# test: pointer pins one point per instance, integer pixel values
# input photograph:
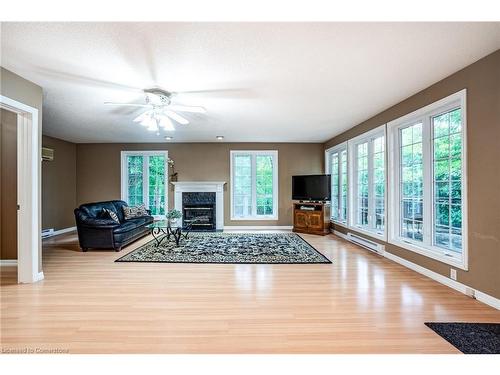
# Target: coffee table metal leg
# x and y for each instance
(157, 235)
(177, 235)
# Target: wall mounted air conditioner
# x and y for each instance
(366, 243)
(47, 154)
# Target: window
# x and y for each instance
(368, 182)
(411, 172)
(427, 182)
(336, 166)
(144, 179)
(254, 185)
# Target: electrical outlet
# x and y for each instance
(453, 274)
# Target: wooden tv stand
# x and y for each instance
(311, 218)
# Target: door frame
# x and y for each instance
(28, 199)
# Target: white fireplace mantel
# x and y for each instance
(216, 187)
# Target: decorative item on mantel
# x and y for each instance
(173, 175)
(173, 215)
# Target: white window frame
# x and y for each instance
(424, 115)
(338, 149)
(145, 187)
(254, 153)
(352, 168)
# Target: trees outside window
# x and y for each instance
(427, 183)
(367, 171)
(254, 185)
(144, 180)
(337, 167)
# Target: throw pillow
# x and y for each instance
(131, 212)
(110, 214)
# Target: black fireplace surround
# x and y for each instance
(199, 206)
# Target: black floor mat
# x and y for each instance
(470, 338)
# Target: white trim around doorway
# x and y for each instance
(28, 199)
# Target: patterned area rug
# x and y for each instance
(470, 338)
(230, 248)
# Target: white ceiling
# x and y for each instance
(274, 82)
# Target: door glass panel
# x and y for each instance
(135, 180)
(157, 184)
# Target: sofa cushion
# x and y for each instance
(144, 220)
(126, 226)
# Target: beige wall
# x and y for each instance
(98, 169)
(26, 92)
(8, 184)
(59, 185)
(482, 81)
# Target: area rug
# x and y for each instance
(470, 338)
(220, 247)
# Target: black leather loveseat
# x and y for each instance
(98, 232)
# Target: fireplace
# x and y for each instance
(199, 208)
(197, 187)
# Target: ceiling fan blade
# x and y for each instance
(87, 81)
(229, 93)
(211, 91)
(143, 115)
(187, 108)
(174, 116)
(128, 104)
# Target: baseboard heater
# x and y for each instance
(367, 244)
(47, 232)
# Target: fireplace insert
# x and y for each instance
(199, 208)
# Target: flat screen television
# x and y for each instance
(311, 187)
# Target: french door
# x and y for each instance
(145, 180)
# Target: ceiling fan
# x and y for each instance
(160, 110)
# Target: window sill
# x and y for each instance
(381, 237)
(252, 218)
(339, 223)
(455, 261)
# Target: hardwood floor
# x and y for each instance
(361, 303)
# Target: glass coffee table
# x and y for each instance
(163, 229)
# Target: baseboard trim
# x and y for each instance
(8, 262)
(462, 288)
(487, 299)
(61, 231)
(258, 227)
